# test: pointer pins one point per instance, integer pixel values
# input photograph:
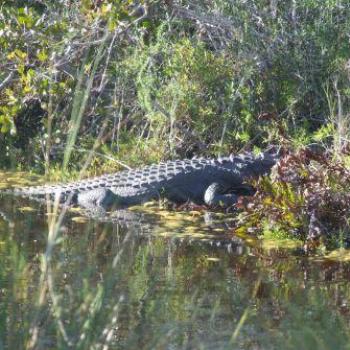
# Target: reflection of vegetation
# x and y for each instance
(110, 288)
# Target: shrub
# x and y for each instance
(309, 198)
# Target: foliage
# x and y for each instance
(126, 79)
(309, 198)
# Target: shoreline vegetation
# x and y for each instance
(89, 87)
(94, 86)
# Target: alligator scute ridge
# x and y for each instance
(211, 182)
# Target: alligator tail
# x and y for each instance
(42, 192)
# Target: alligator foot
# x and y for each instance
(214, 197)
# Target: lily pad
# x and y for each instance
(75, 210)
(26, 209)
(80, 219)
(213, 259)
(341, 255)
(280, 243)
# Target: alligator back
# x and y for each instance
(192, 175)
(154, 174)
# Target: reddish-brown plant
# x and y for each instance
(308, 196)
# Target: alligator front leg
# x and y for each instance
(214, 196)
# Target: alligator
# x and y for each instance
(202, 181)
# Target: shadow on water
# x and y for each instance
(161, 281)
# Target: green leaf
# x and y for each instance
(42, 55)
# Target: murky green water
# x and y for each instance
(164, 281)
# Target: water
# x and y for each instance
(165, 280)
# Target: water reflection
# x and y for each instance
(162, 281)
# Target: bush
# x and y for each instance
(309, 199)
(171, 79)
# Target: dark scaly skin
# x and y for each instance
(211, 182)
